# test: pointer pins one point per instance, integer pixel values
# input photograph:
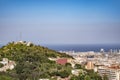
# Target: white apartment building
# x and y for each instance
(113, 73)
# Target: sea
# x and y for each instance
(83, 47)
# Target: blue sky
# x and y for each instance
(60, 21)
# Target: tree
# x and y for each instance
(4, 77)
(64, 74)
(74, 78)
(105, 77)
(97, 77)
(87, 77)
(1, 65)
(78, 66)
(68, 64)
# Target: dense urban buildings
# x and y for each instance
(104, 63)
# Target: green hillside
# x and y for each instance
(32, 62)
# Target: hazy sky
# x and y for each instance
(60, 21)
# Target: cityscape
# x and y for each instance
(105, 63)
(101, 65)
(59, 39)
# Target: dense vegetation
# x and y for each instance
(32, 62)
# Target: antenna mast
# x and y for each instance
(20, 36)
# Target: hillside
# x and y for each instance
(32, 62)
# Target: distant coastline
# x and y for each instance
(85, 48)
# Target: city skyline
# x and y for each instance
(60, 21)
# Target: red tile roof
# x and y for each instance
(114, 67)
(62, 61)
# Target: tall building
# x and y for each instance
(119, 51)
(111, 51)
(89, 65)
(102, 50)
(113, 73)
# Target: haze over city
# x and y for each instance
(60, 21)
